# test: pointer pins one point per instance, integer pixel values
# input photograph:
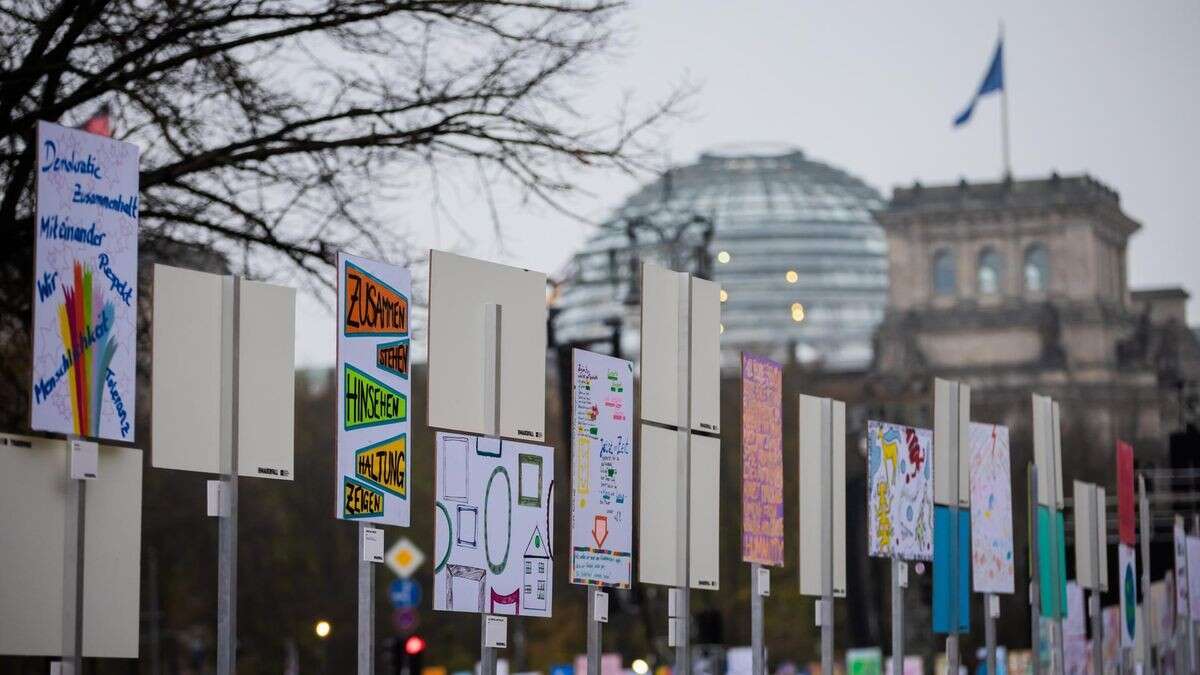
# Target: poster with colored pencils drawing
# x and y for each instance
(900, 491)
(85, 285)
(991, 510)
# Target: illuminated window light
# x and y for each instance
(723, 257)
(797, 312)
(722, 328)
(791, 276)
(724, 295)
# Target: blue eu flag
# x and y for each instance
(992, 81)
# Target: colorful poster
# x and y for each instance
(602, 471)
(1193, 566)
(1111, 643)
(494, 525)
(942, 597)
(1125, 504)
(868, 661)
(374, 459)
(85, 296)
(1162, 597)
(762, 460)
(1181, 574)
(900, 491)
(1075, 622)
(1052, 562)
(991, 510)
(1127, 590)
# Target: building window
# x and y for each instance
(944, 277)
(1037, 268)
(991, 267)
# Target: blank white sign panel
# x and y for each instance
(186, 374)
(185, 426)
(838, 482)
(658, 492)
(705, 334)
(33, 520)
(1102, 537)
(266, 381)
(942, 416)
(1047, 451)
(813, 484)
(459, 290)
(1085, 534)
(660, 344)
(704, 518)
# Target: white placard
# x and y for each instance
(813, 483)
(85, 295)
(705, 350)
(903, 575)
(190, 348)
(495, 632)
(459, 290)
(494, 526)
(674, 600)
(32, 520)
(218, 506)
(764, 581)
(944, 492)
(600, 606)
(84, 459)
(601, 470)
(994, 605)
(1047, 451)
(672, 632)
(1085, 534)
(374, 397)
(372, 545)
(658, 492)
(704, 520)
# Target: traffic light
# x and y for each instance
(407, 655)
(414, 645)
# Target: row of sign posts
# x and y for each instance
(222, 397)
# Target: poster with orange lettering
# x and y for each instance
(374, 462)
(762, 461)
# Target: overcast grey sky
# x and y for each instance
(1104, 87)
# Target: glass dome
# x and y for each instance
(801, 263)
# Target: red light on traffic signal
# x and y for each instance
(414, 645)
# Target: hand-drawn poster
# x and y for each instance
(1181, 571)
(374, 458)
(85, 285)
(900, 491)
(762, 460)
(1193, 567)
(991, 510)
(494, 526)
(1125, 507)
(864, 661)
(1162, 597)
(1127, 590)
(1111, 642)
(602, 471)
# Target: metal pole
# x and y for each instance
(492, 338)
(897, 618)
(366, 607)
(1035, 600)
(952, 656)
(683, 659)
(989, 630)
(758, 655)
(1056, 547)
(1097, 617)
(1189, 625)
(593, 634)
(227, 531)
(826, 608)
(1004, 126)
(1147, 597)
(72, 599)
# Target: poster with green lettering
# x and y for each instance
(374, 394)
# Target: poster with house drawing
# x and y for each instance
(900, 491)
(494, 526)
(602, 471)
(991, 510)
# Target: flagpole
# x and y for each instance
(1004, 140)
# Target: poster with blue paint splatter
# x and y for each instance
(991, 510)
(900, 491)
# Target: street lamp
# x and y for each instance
(322, 629)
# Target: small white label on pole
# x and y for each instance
(672, 632)
(994, 606)
(84, 459)
(902, 574)
(372, 545)
(673, 602)
(216, 499)
(817, 605)
(764, 582)
(1032, 598)
(495, 632)
(56, 668)
(600, 613)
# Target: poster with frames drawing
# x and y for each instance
(601, 470)
(494, 524)
(900, 491)
(85, 296)
(374, 458)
